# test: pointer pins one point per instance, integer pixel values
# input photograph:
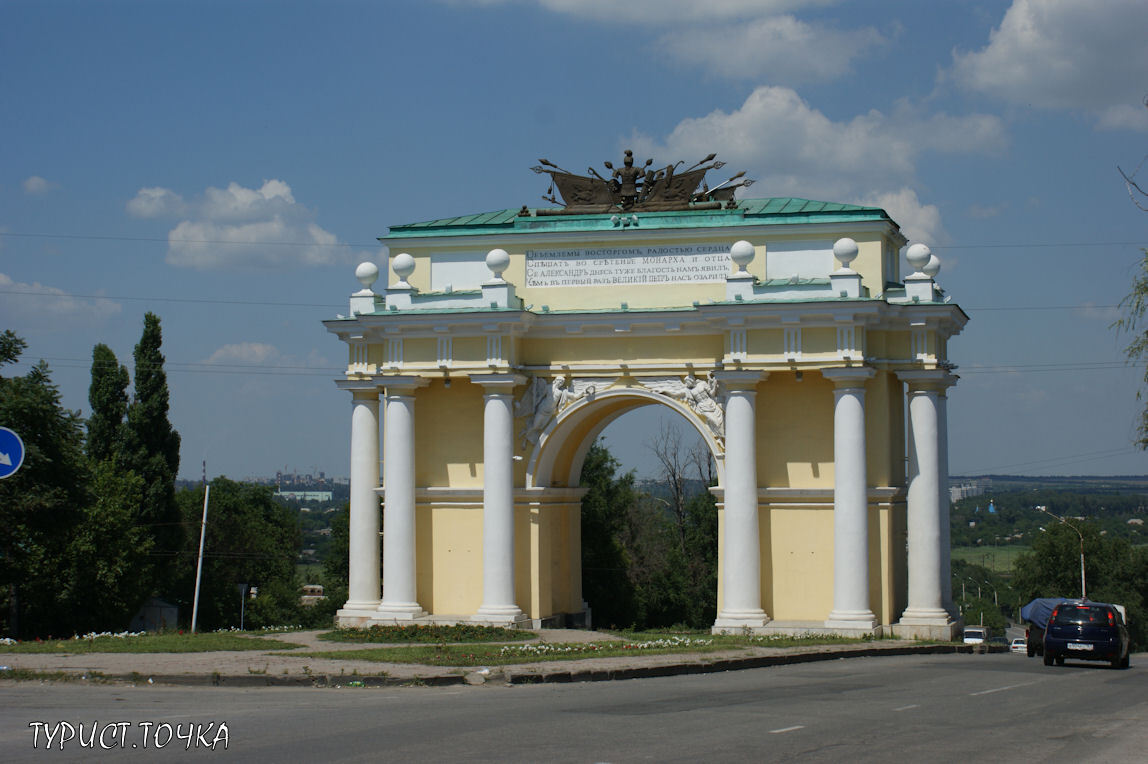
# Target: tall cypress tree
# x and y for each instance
(152, 451)
(108, 397)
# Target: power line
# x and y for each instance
(155, 240)
(1049, 463)
(205, 300)
(211, 301)
(224, 242)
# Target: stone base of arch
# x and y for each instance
(934, 625)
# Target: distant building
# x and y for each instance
(304, 495)
(312, 594)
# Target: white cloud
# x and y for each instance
(658, 11)
(22, 300)
(782, 48)
(240, 228)
(1065, 54)
(1124, 117)
(919, 222)
(247, 353)
(34, 185)
(155, 202)
(792, 149)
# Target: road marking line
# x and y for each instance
(1001, 689)
(787, 729)
(906, 708)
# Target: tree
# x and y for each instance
(108, 397)
(251, 539)
(1115, 571)
(40, 504)
(152, 451)
(108, 554)
(608, 499)
(1135, 304)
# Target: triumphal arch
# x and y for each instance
(782, 329)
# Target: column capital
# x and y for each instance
(357, 387)
(741, 380)
(937, 380)
(401, 384)
(498, 383)
(849, 376)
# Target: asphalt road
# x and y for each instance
(1001, 707)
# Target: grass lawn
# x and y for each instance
(634, 643)
(999, 559)
(151, 643)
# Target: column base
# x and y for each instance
(400, 611)
(927, 623)
(731, 621)
(499, 615)
(851, 619)
(355, 614)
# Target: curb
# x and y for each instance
(731, 664)
(535, 676)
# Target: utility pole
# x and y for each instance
(199, 565)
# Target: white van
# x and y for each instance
(976, 635)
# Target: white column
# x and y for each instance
(926, 600)
(400, 599)
(363, 583)
(498, 600)
(851, 608)
(741, 540)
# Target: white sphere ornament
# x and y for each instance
(497, 260)
(933, 267)
(845, 250)
(918, 256)
(741, 253)
(403, 265)
(367, 274)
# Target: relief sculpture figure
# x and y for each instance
(542, 402)
(703, 397)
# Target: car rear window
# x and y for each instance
(1083, 614)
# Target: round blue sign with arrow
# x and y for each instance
(11, 452)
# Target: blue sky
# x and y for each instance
(289, 135)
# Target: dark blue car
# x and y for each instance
(1090, 631)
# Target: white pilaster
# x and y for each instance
(741, 540)
(498, 600)
(851, 608)
(946, 501)
(400, 599)
(926, 614)
(363, 579)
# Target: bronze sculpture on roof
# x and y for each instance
(638, 189)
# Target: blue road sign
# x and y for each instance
(11, 452)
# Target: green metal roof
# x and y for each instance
(777, 211)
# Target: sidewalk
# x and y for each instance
(266, 668)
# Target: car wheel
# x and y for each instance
(1116, 662)
(1031, 652)
(1126, 662)
(1060, 660)
(1047, 659)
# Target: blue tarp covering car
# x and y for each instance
(1036, 613)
